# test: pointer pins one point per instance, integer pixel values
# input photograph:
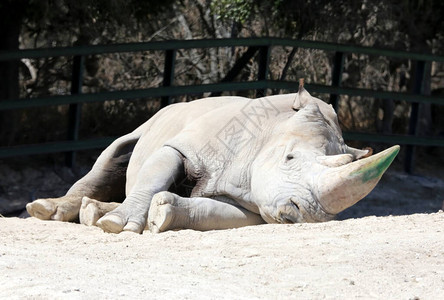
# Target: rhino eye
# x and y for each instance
(290, 156)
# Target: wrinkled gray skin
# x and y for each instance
(278, 159)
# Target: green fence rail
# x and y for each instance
(260, 46)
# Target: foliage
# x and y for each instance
(238, 11)
(401, 24)
(68, 22)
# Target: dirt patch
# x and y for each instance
(395, 257)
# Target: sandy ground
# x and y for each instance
(394, 257)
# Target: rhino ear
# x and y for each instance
(302, 98)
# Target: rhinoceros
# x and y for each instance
(276, 159)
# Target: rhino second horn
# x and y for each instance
(343, 186)
(334, 160)
(358, 153)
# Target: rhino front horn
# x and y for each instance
(341, 187)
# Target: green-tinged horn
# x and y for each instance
(341, 187)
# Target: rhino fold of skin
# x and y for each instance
(276, 159)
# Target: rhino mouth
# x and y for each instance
(287, 219)
(292, 213)
(340, 187)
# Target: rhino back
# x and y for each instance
(165, 125)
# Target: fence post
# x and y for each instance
(418, 88)
(75, 108)
(336, 77)
(264, 59)
(168, 74)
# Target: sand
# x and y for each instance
(389, 257)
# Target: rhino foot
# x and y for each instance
(160, 215)
(117, 221)
(111, 223)
(92, 210)
(60, 209)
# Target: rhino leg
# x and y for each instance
(105, 182)
(169, 211)
(156, 174)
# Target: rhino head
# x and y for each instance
(306, 173)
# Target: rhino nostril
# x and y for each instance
(290, 156)
(294, 203)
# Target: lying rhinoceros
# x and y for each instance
(277, 159)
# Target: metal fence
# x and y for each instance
(260, 46)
